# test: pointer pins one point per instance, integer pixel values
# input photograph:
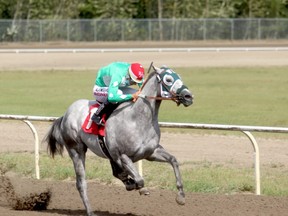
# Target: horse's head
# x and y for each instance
(171, 86)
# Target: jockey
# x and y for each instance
(108, 81)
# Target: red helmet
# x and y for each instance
(136, 72)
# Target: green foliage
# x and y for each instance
(38, 9)
(108, 9)
(87, 9)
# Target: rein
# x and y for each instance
(157, 98)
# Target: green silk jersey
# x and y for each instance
(113, 76)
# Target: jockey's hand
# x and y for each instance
(135, 96)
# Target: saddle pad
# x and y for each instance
(91, 127)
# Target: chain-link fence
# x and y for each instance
(143, 30)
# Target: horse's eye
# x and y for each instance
(168, 80)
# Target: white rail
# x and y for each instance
(109, 50)
(224, 127)
(245, 129)
(27, 120)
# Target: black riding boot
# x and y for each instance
(97, 116)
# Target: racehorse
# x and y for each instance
(132, 133)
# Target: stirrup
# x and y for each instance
(97, 119)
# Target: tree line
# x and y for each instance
(142, 9)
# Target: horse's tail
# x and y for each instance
(54, 139)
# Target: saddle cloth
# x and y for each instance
(91, 127)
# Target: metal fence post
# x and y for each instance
(36, 150)
(40, 31)
(122, 30)
(95, 30)
(257, 161)
(259, 29)
(204, 29)
(149, 30)
(232, 29)
(68, 29)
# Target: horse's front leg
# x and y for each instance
(129, 182)
(78, 158)
(161, 155)
(129, 168)
(119, 173)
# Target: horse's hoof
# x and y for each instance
(144, 191)
(180, 199)
(130, 187)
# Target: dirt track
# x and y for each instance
(32, 61)
(114, 200)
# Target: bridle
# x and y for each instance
(174, 97)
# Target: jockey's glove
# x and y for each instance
(135, 96)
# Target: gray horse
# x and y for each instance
(132, 134)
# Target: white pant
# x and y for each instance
(100, 93)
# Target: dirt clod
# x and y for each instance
(32, 202)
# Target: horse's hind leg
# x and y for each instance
(161, 155)
(78, 158)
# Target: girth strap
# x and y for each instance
(104, 147)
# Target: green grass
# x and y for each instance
(47, 93)
(244, 96)
(203, 176)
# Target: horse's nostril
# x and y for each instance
(188, 97)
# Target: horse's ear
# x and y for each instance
(157, 70)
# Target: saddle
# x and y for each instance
(89, 126)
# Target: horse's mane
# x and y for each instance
(148, 78)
